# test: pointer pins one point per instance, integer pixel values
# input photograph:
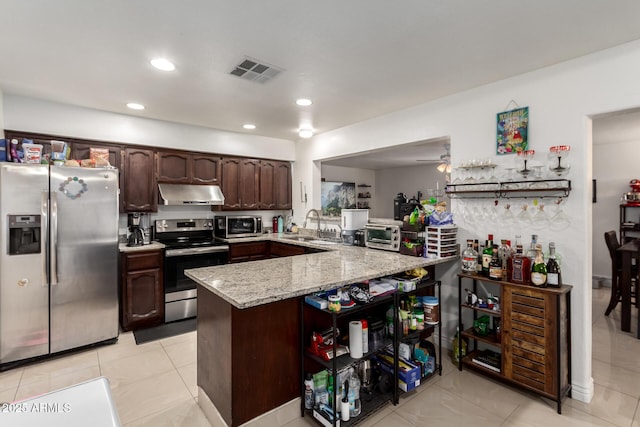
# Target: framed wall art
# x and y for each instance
(512, 131)
(336, 196)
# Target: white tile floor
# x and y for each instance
(155, 385)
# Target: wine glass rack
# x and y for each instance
(541, 188)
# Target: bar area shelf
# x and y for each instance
(556, 188)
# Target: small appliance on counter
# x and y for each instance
(352, 220)
(136, 235)
(383, 234)
(359, 238)
(231, 226)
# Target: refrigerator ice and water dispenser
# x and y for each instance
(24, 234)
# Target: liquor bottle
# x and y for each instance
(554, 275)
(520, 267)
(478, 249)
(531, 253)
(539, 269)
(469, 258)
(504, 253)
(487, 254)
(495, 266)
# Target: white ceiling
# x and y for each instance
(355, 59)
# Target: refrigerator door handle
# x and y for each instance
(54, 239)
(44, 212)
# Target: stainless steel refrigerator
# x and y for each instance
(59, 259)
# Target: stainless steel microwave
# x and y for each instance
(231, 226)
(382, 236)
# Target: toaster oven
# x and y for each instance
(382, 236)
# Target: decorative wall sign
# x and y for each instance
(512, 135)
(77, 185)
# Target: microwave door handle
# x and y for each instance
(54, 239)
(44, 234)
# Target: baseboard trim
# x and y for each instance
(279, 416)
(582, 393)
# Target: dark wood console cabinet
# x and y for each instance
(535, 343)
(141, 290)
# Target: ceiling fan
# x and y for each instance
(444, 162)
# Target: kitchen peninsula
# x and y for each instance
(249, 321)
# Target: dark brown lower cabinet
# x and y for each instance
(141, 290)
(535, 339)
(248, 359)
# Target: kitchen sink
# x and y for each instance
(310, 239)
(300, 238)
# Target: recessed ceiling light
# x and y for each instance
(135, 106)
(305, 133)
(163, 64)
(304, 102)
(249, 126)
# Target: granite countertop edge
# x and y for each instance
(246, 285)
(153, 246)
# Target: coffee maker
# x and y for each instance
(136, 235)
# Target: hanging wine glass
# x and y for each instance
(507, 217)
(559, 221)
(540, 219)
(492, 215)
(558, 165)
(524, 217)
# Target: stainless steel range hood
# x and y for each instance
(183, 194)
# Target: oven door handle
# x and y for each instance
(195, 251)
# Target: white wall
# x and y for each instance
(407, 180)
(34, 115)
(356, 175)
(561, 100)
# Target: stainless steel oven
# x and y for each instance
(188, 244)
(231, 226)
(382, 236)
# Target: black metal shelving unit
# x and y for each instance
(337, 364)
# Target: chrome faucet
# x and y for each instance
(304, 224)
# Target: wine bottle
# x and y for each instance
(554, 276)
(495, 266)
(539, 268)
(469, 258)
(487, 254)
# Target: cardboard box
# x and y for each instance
(408, 373)
(323, 419)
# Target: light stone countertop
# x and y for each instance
(150, 247)
(254, 283)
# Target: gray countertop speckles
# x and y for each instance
(260, 282)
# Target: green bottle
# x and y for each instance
(487, 255)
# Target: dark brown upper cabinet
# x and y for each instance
(180, 167)
(240, 183)
(140, 193)
(282, 184)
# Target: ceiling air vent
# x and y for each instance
(254, 70)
